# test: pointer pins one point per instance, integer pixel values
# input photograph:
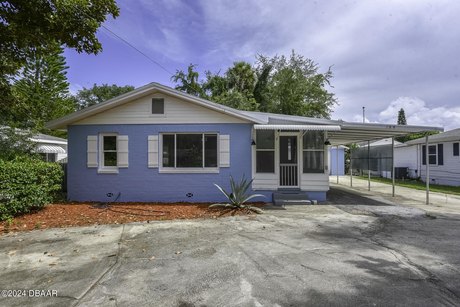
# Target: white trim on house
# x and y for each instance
(102, 169)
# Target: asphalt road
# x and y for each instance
(354, 250)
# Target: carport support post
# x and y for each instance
(337, 162)
(351, 168)
(427, 165)
(393, 166)
(368, 165)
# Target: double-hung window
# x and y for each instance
(265, 151)
(435, 154)
(189, 151)
(108, 156)
(313, 152)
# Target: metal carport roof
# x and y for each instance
(361, 132)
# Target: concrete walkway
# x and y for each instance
(439, 202)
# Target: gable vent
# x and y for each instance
(158, 106)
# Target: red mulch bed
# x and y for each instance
(80, 214)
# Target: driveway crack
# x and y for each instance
(108, 270)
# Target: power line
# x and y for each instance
(139, 51)
(146, 56)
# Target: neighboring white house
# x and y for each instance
(443, 157)
(53, 149)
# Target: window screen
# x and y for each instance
(265, 151)
(313, 152)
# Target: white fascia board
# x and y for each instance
(298, 127)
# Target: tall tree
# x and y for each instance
(296, 87)
(402, 117)
(261, 94)
(87, 97)
(26, 26)
(236, 88)
(281, 85)
(41, 89)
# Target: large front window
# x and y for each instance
(265, 151)
(193, 150)
(313, 152)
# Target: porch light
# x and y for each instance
(327, 142)
(253, 143)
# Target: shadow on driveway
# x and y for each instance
(340, 196)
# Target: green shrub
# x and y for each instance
(27, 185)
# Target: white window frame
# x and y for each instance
(151, 107)
(102, 168)
(323, 150)
(435, 154)
(187, 170)
(275, 151)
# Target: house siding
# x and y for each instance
(176, 111)
(408, 156)
(140, 183)
(447, 174)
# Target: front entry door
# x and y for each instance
(288, 161)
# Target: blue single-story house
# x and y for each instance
(157, 144)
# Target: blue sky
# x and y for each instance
(384, 54)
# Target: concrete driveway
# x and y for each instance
(354, 250)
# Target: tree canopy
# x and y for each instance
(87, 97)
(27, 26)
(41, 89)
(288, 85)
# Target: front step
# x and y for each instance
(290, 197)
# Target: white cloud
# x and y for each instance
(418, 113)
(379, 49)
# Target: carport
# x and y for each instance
(366, 132)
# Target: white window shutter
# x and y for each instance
(91, 151)
(122, 151)
(224, 147)
(153, 151)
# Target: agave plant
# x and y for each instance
(239, 196)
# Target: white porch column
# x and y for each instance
(427, 165)
(337, 162)
(368, 165)
(393, 166)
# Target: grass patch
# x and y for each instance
(417, 185)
